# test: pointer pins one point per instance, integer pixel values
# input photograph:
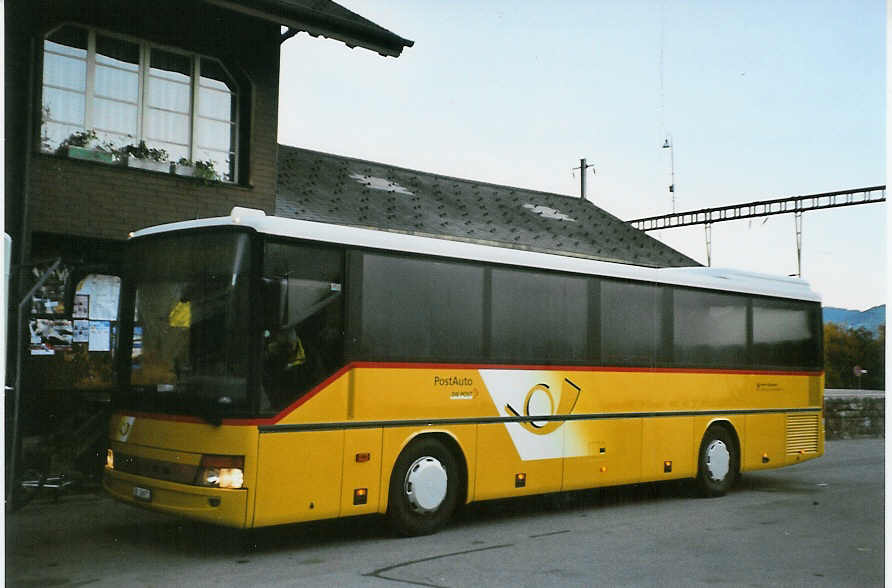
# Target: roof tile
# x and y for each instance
(346, 191)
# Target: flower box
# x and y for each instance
(148, 164)
(184, 170)
(89, 154)
(191, 171)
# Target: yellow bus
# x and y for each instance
(277, 370)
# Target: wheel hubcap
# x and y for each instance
(718, 460)
(425, 484)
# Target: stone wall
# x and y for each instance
(853, 416)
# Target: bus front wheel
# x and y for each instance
(423, 488)
(719, 462)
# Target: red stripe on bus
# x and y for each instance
(459, 366)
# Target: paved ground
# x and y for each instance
(816, 524)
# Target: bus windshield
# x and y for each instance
(191, 325)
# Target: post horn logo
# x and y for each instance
(125, 427)
(539, 402)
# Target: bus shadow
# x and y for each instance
(200, 539)
(591, 499)
(771, 482)
(205, 540)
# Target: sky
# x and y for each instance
(761, 100)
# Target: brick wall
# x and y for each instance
(86, 199)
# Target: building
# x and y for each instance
(126, 114)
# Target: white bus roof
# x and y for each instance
(697, 277)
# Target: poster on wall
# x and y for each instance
(81, 331)
(81, 306)
(50, 335)
(99, 338)
(50, 297)
(103, 292)
(137, 342)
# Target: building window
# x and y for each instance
(129, 91)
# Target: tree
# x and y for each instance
(845, 348)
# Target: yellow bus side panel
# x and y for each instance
(299, 477)
(362, 471)
(610, 453)
(764, 437)
(466, 436)
(499, 464)
(397, 438)
(623, 392)
(329, 405)
(399, 393)
(668, 439)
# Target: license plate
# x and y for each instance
(142, 493)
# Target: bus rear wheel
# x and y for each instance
(423, 488)
(718, 463)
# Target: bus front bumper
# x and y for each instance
(213, 505)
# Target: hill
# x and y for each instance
(870, 319)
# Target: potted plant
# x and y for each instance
(143, 157)
(197, 169)
(84, 145)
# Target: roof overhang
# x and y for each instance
(322, 18)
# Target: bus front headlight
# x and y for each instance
(221, 471)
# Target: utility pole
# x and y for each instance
(582, 167)
(797, 219)
(670, 145)
(708, 228)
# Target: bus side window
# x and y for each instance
(303, 320)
